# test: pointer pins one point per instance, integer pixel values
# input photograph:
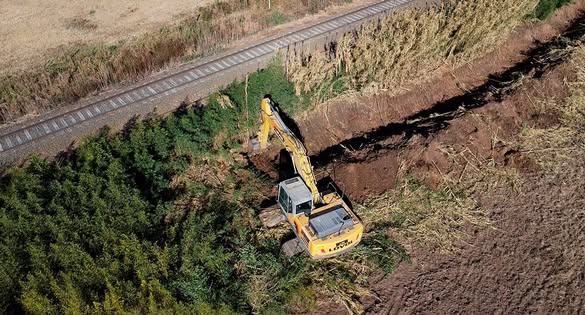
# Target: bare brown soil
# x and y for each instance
(29, 29)
(483, 134)
(530, 260)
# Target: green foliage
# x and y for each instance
(106, 229)
(546, 8)
(381, 250)
(88, 233)
(277, 18)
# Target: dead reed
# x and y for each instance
(409, 46)
(81, 71)
(552, 148)
(418, 215)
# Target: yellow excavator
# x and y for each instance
(325, 226)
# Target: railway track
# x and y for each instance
(19, 140)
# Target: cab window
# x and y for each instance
(305, 208)
(284, 200)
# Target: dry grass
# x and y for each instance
(409, 46)
(34, 29)
(344, 278)
(83, 70)
(553, 148)
(417, 215)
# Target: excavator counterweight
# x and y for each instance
(324, 224)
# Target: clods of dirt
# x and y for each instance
(373, 178)
(531, 262)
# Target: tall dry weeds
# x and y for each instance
(417, 215)
(553, 148)
(409, 46)
(81, 71)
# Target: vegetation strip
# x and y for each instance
(538, 60)
(82, 70)
(186, 78)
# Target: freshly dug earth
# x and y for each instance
(481, 136)
(530, 262)
(347, 117)
(530, 259)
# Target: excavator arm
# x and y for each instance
(324, 224)
(271, 121)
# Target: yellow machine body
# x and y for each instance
(324, 224)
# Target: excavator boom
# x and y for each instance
(271, 121)
(324, 224)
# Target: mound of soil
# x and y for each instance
(531, 260)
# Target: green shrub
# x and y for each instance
(545, 8)
(277, 18)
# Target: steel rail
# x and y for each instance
(190, 76)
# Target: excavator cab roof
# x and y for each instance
(294, 196)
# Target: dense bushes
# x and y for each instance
(91, 232)
(160, 218)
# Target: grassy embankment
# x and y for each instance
(80, 71)
(162, 218)
(410, 46)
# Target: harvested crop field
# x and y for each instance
(29, 29)
(494, 131)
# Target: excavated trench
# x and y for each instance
(538, 61)
(368, 147)
(529, 261)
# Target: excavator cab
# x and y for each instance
(323, 231)
(294, 197)
(324, 224)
